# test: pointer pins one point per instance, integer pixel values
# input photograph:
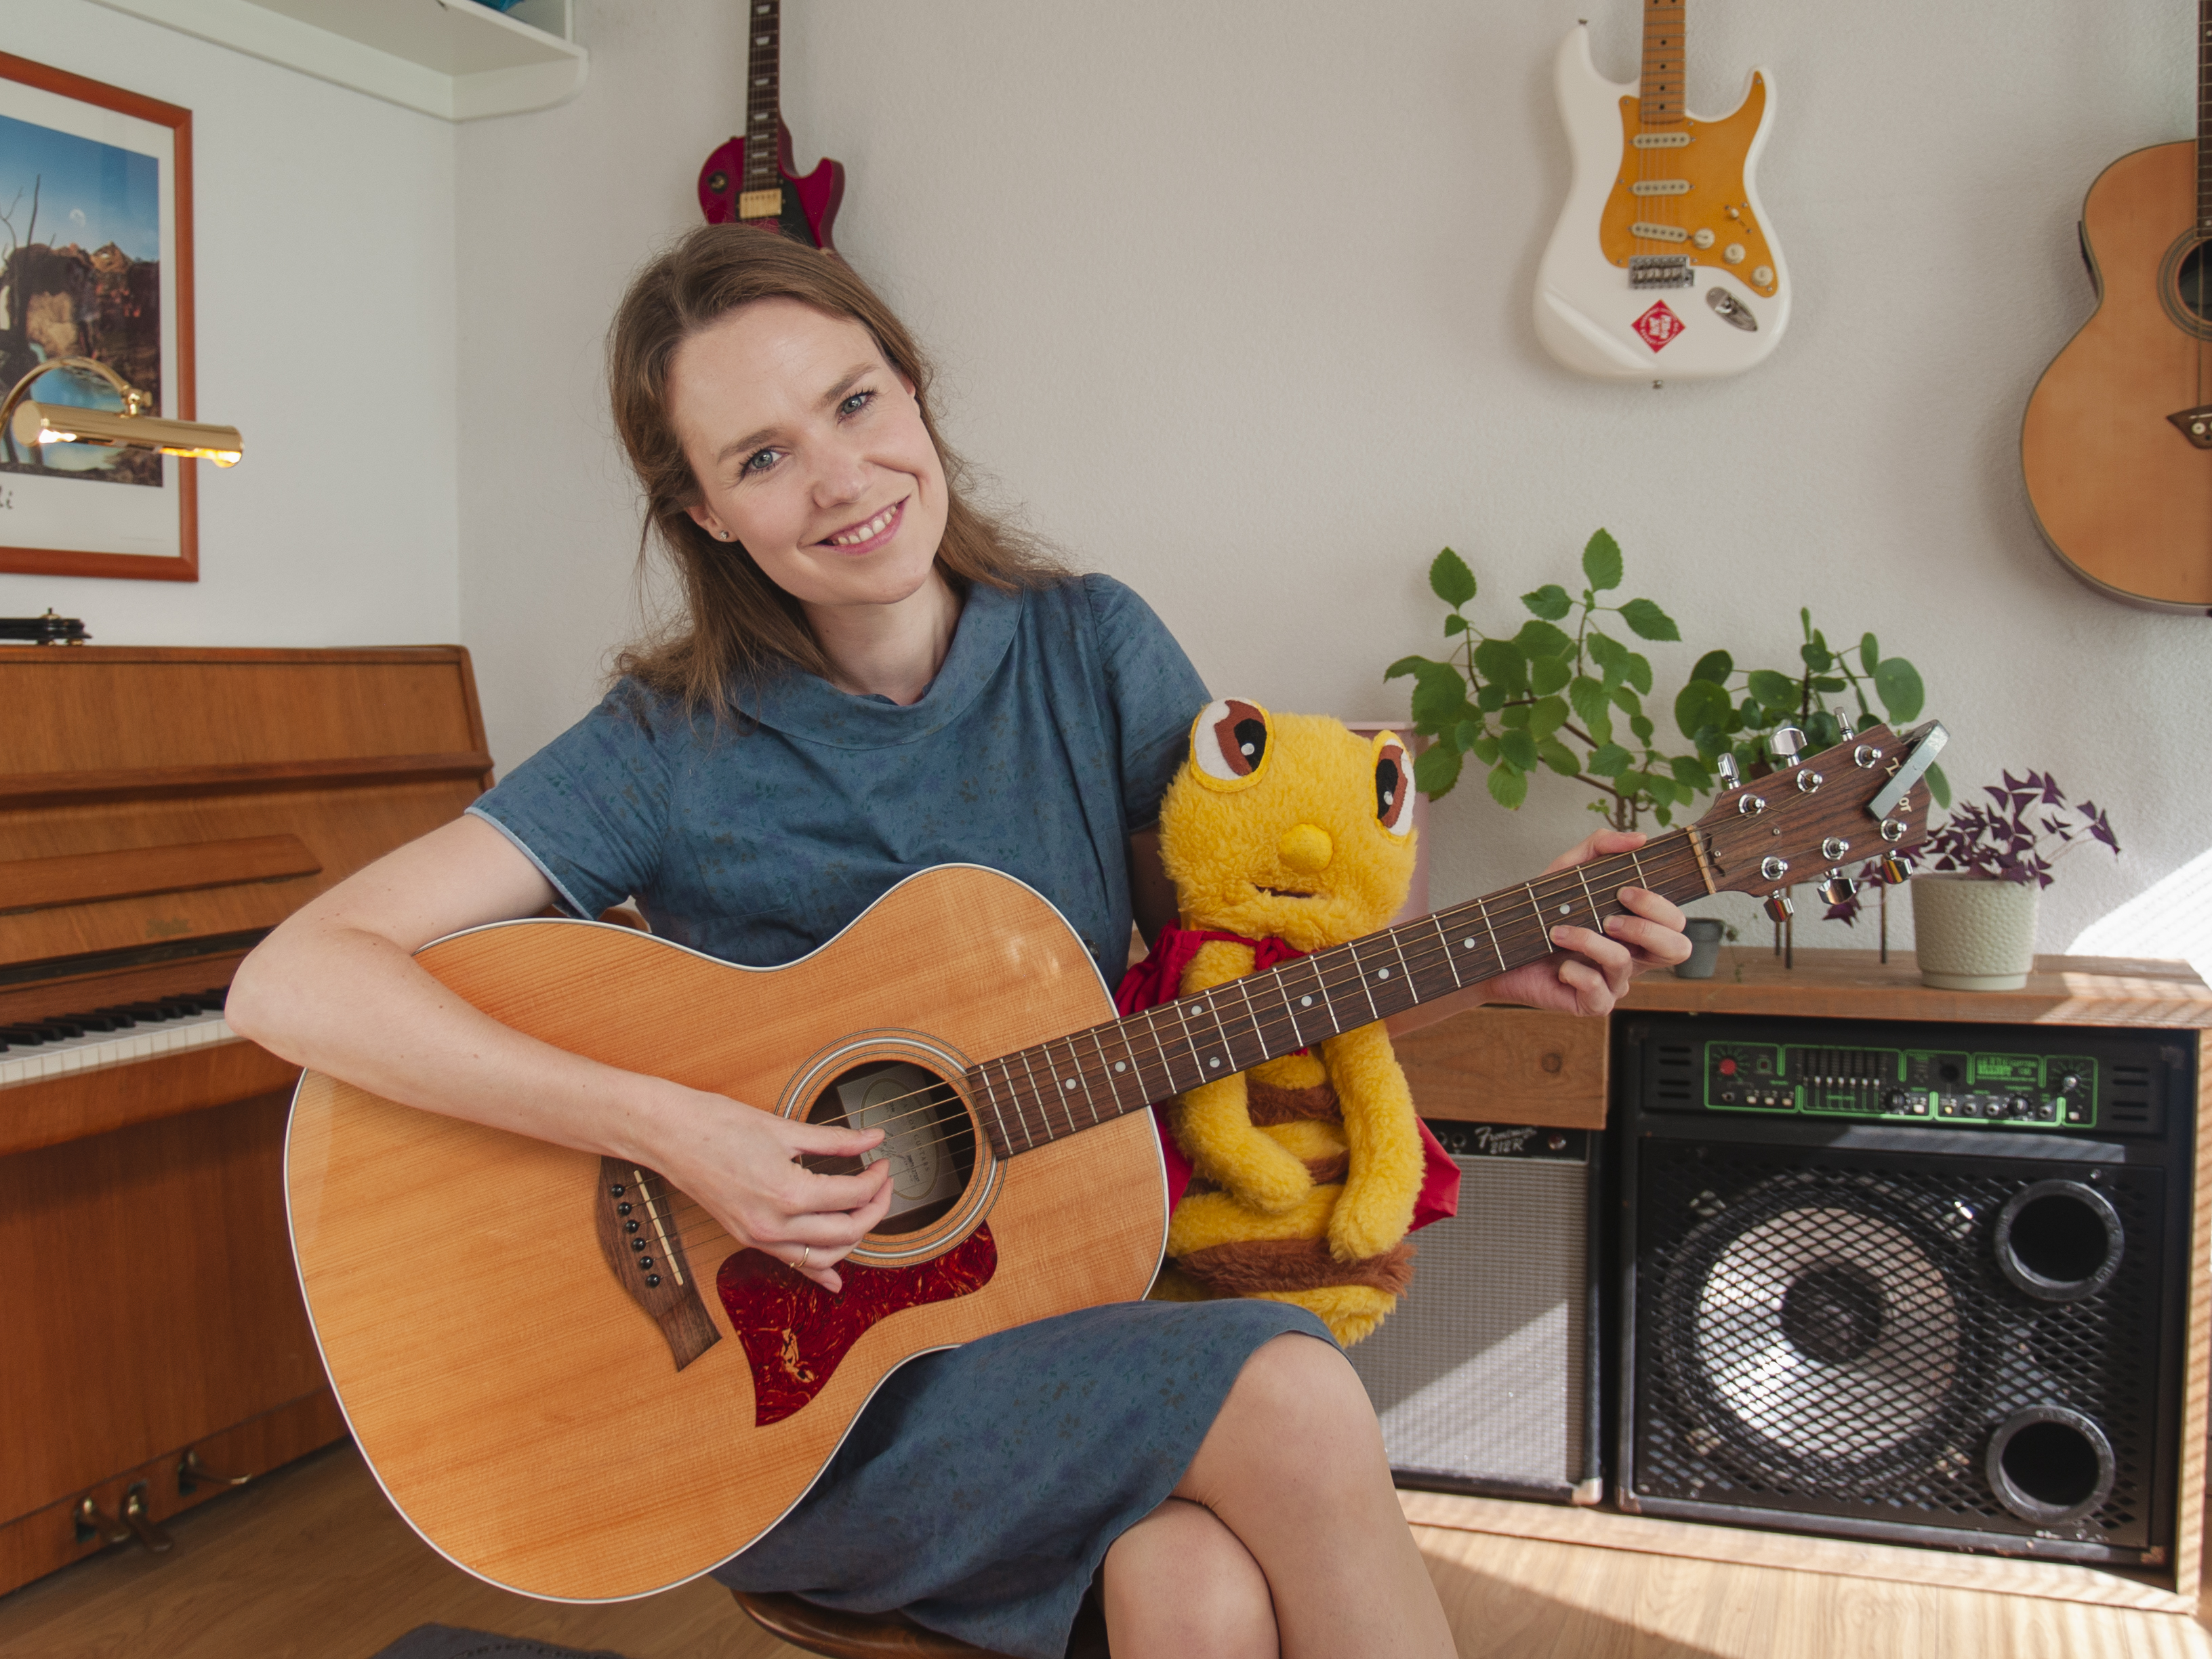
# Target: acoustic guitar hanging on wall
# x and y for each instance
(751, 178)
(2117, 445)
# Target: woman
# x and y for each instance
(871, 677)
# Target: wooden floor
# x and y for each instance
(313, 1563)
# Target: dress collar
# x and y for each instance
(807, 707)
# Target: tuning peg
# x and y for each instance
(1844, 727)
(1893, 869)
(1784, 745)
(1726, 766)
(1838, 888)
(1779, 909)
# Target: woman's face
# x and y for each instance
(809, 449)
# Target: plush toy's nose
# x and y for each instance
(1305, 848)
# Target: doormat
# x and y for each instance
(451, 1642)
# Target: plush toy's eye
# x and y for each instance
(1229, 743)
(1393, 785)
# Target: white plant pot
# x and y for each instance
(1971, 934)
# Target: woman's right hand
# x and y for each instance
(740, 1164)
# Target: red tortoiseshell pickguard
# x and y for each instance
(795, 1333)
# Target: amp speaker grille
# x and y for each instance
(1481, 1376)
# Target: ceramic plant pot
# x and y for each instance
(1704, 934)
(1971, 934)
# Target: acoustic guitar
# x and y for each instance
(575, 1384)
(1663, 264)
(751, 177)
(2114, 443)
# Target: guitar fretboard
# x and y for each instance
(1665, 60)
(1028, 1099)
(2204, 115)
(763, 67)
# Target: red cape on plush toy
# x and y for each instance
(1158, 979)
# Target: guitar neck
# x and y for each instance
(763, 74)
(2204, 115)
(1027, 1099)
(1664, 62)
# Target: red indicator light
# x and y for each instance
(1727, 1068)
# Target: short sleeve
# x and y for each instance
(590, 808)
(1155, 691)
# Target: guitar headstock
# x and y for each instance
(1816, 818)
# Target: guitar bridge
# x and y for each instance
(639, 1236)
(2194, 424)
(1660, 270)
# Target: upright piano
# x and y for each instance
(161, 809)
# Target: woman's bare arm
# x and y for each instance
(336, 989)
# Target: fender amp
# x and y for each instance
(1921, 1283)
(1485, 1377)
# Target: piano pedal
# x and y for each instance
(192, 1474)
(94, 1524)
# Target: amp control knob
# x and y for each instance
(1763, 275)
(1733, 253)
(1702, 238)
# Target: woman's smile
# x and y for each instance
(871, 534)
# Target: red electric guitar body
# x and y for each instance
(751, 178)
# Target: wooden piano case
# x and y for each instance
(160, 810)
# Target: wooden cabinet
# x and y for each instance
(1510, 1066)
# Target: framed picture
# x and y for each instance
(95, 261)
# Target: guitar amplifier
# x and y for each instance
(1922, 1283)
(1485, 1377)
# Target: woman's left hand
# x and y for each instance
(1590, 970)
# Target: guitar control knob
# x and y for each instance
(1702, 238)
(1778, 906)
(1763, 275)
(1733, 253)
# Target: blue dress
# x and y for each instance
(981, 1486)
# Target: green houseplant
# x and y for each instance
(1574, 699)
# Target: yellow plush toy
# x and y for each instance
(1285, 834)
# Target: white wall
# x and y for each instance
(323, 229)
(1234, 297)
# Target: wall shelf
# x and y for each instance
(451, 58)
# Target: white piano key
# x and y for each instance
(94, 1049)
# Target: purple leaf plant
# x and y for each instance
(2027, 826)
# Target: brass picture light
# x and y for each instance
(31, 422)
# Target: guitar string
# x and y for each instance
(1423, 956)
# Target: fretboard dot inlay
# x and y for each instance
(1563, 908)
(1120, 1066)
(1381, 973)
(1305, 1002)
(1467, 944)
(1215, 1062)
(1067, 1083)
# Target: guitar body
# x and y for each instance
(809, 205)
(2120, 490)
(1589, 314)
(515, 1400)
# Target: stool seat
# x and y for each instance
(795, 1619)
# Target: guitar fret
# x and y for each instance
(1328, 1005)
(1082, 1080)
(1036, 1095)
(1252, 1014)
(1283, 990)
(1106, 1071)
(1445, 939)
(1597, 922)
(991, 1093)
(1006, 1066)
(1213, 1000)
(1359, 971)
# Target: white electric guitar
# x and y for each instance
(1662, 265)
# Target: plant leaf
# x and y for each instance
(1602, 561)
(1489, 699)
(1648, 622)
(1771, 690)
(1546, 716)
(1816, 654)
(1454, 623)
(1501, 662)
(1517, 749)
(1591, 704)
(1896, 682)
(1636, 668)
(1439, 696)
(1560, 759)
(1699, 704)
(1870, 653)
(1641, 725)
(1609, 760)
(1549, 674)
(1539, 639)
(1449, 579)
(1436, 769)
(1715, 666)
(1412, 666)
(1550, 602)
(1508, 787)
(1628, 702)
(1691, 774)
(1939, 786)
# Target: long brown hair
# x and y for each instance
(737, 627)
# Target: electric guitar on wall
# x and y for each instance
(750, 177)
(573, 1384)
(1663, 264)
(2117, 443)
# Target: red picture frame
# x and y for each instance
(179, 397)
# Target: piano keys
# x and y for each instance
(160, 811)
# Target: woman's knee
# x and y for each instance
(1180, 1583)
(1297, 1420)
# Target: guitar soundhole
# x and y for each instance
(2190, 280)
(927, 1136)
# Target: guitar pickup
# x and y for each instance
(1660, 270)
